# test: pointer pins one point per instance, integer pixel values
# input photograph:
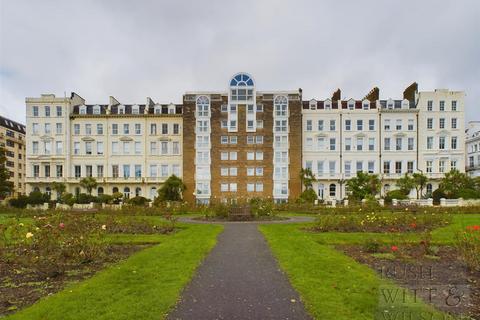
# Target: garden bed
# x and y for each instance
(253, 218)
(431, 275)
(21, 287)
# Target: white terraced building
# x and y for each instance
(421, 133)
(472, 146)
(128, 148)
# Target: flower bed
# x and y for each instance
(468, 243)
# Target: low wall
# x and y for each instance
(83, 206)
(62, 206)
(112, 206)
(38, 206)
(413, 202)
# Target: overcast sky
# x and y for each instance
(134, 49)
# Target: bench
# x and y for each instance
(240, 213)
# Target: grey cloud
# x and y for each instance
(133, 49)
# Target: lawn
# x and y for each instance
(145, 286)
(335, 286)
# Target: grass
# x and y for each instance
(145, 286)
(331, 284)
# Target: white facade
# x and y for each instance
(472, 148)
(131, 149)
(385, 137)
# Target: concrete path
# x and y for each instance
(239, 279)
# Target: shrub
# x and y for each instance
(36, 197)
(20, 202)
(138, 201)
(220, 210)
(308, 196)
(117, 197)
(437, 195)
(261, 208)
(68, 198)
(105, 198)
(84, 198)
(468, 244)
(468, 194)
(395, 194)
(371, 246)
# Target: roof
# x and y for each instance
(12, 125)
(128, 108)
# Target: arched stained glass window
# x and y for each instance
(241, 87)
(241, 80)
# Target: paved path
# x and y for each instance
(239, 279)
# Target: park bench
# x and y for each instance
(240, 213)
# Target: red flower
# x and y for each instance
(476, 227)
(413, 225)
(61, 225)
(394, 248)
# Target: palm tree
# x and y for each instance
(307, 177)
(89, 183)
(420, 181)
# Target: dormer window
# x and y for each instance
(313, 105)
(158, 109)
(121, 109)
(171, 109)
(83, 109)
(390, 104)
(366, 105)
(405, 104)
(135, 109)
(96, 109)
(351, 106)
(328, 105)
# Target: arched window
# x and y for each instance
(48, 191)
(333, 190)
(241, 87)
(429, 189)
(281, 106)
(321, 191)
(36, 189)
(203, 106)
(100, 191)
(153, 192)
(115, 189)
(126, 192)
(138, 192)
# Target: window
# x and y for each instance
(386, 125)
(138, 171)
(126, 128)
(453, 164)
(35, 111)
(83, 110)
(224, 139)
(176, 128)
(153, 129)
(331, 167)
(371, 125)
(35, 147)
(59, 128)
(398, 166)
(224, 108)
(366, 106)
(359, 144)
(250, 187)
(202, 126)
(36, 170)
(348, 168)
(233, 155)
(233, 187)
(259, 124)
(351, 106)
(259, 107)
(59, 170)
(121, 110)
(138, 147)
(48, 128)
(96, 110)
(309, 125)
(259, 139)
(386, 144)
(441, 166)
(47, 170)
(88, 147)
(281, 106)
(453, 143)
(332, 125)
(442, 105)
(371, 144)
(359, 125)
(76, 148)
(99, 171)
(398, 144)
(59, 111)
(259, 187)
(88, 129)
(164, 147)
(99, 128)
(115, 171)
(126, 171)
(348, 144)
(259, 171)
(115, 147)
(429, 105)
(224, 156)
(348, 125)
(332, 143)
(386, 167)
(442, 123)
(250, 155)
(398, 125)
(114, 128)
(126, 147)
(320, 167)
(320, 125)
(59, 147)
(35, 128)
(78, 171)
(359, 166)
(280, 125)
(429, 143)
(333, 190)
(138, 128)
(454, 123)
(259, 155)
(224, 187)
(47, 111)
(371, 166)
(410, 166)
(441, 143)
(410, 124)
(250, 172)
(153, 170)
(429, 166)
(454, 105)
(429, 189)
(164, 128)
(411, 143)
(430, 123)
(88, 171)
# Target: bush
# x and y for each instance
(68, 198)
(261, 208)
(36, 197)
(138, 201)
(468, 194)
(105, 198)
(395, 194)
(20, 202)
(437, 195)
(84, 198)
(117, 197)
(308, 196)
(371, 246)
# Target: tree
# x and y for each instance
(364, 185)
(172, 189)
(59, 188)
(420, 181)
(406, 183)
(6, 186)
(307, 177)
(89, 183)
(455, 183)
